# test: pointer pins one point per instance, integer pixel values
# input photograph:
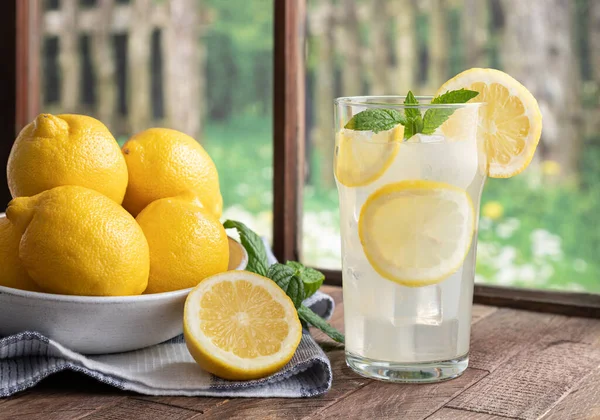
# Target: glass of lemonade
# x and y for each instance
(409, 208)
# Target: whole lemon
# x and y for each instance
(166, 163)
(13, 273)
(187, 244)
(77, 241)
(56, 150)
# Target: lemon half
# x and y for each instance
(417, 233)
(239, 325)
(510, 123)
(363, 157)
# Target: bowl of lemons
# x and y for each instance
(100, 245)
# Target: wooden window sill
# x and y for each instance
(523, 365)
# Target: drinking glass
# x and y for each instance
(408, 211)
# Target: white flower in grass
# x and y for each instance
(580, 265)
(506, 275)
(506, 229)
(546, 244)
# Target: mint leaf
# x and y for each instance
(411, 112)
(288, 281)
(414, 121)
(308, 316)
(257, 255)
(459, 96)
(435, 117)
(375, 120)
(311, 278)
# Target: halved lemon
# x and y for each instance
(362, 157)
(417, 233)
(239, 325)
(510, 123)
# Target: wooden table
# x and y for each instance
(524, 365)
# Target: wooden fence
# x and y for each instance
(174, 77)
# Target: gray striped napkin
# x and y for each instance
(165, 369)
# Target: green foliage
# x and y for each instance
(239, 48)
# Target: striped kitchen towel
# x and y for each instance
(165, 369)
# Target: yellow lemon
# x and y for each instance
(56, 150)
(187, 243)
(13, 273)
(363, 157)
(417, 233)
(165, 163)
(510, 123)
(239, 325)
(77, 241)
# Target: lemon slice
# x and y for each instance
(239, 325)
(510, 123)
(362, 157)
(417, 233)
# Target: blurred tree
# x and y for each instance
(104, 64)
(475, 36)
(347, 36)
(68, 57)
(321, 27)
(439, 46)
(405, 74)
(538, 49)
(183, 54)
(378, 52)
(138, 66)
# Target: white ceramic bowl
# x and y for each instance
(95, 325)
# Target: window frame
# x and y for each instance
(20, 24)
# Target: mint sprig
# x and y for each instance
(377, 120)
(296, 280)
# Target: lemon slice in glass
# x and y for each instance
(239, 325)
(510, 123)
(362, 157)
(417, 233)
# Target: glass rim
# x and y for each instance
(397, 102)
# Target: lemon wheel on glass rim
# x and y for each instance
(417, 233)
(510, 122)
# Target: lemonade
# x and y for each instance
(410, 173)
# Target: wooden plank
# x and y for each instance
(89, 19)
(345, 382)
(504, 334)
(8, 87)
(137, 409)
(479, 312)
(528, 384)
(28, 62)
(288, 127)
(566, 303)
(43, 404)
(453, 414)
(380, 400)
(583, 402)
